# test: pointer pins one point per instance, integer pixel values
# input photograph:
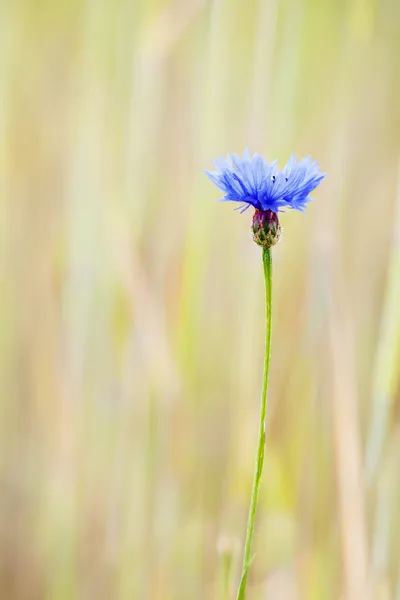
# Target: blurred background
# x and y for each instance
(132, 303)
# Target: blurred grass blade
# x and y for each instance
(386, 372)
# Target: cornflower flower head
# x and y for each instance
(251, 181)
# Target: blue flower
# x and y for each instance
(251, 181)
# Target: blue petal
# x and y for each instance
(214, 176)
(251, 181)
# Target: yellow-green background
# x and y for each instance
(131, 303)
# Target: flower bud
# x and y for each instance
(266, 228)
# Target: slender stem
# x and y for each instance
(247, 559)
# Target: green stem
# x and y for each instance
(267, 262)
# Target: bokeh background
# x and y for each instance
(131, 304)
